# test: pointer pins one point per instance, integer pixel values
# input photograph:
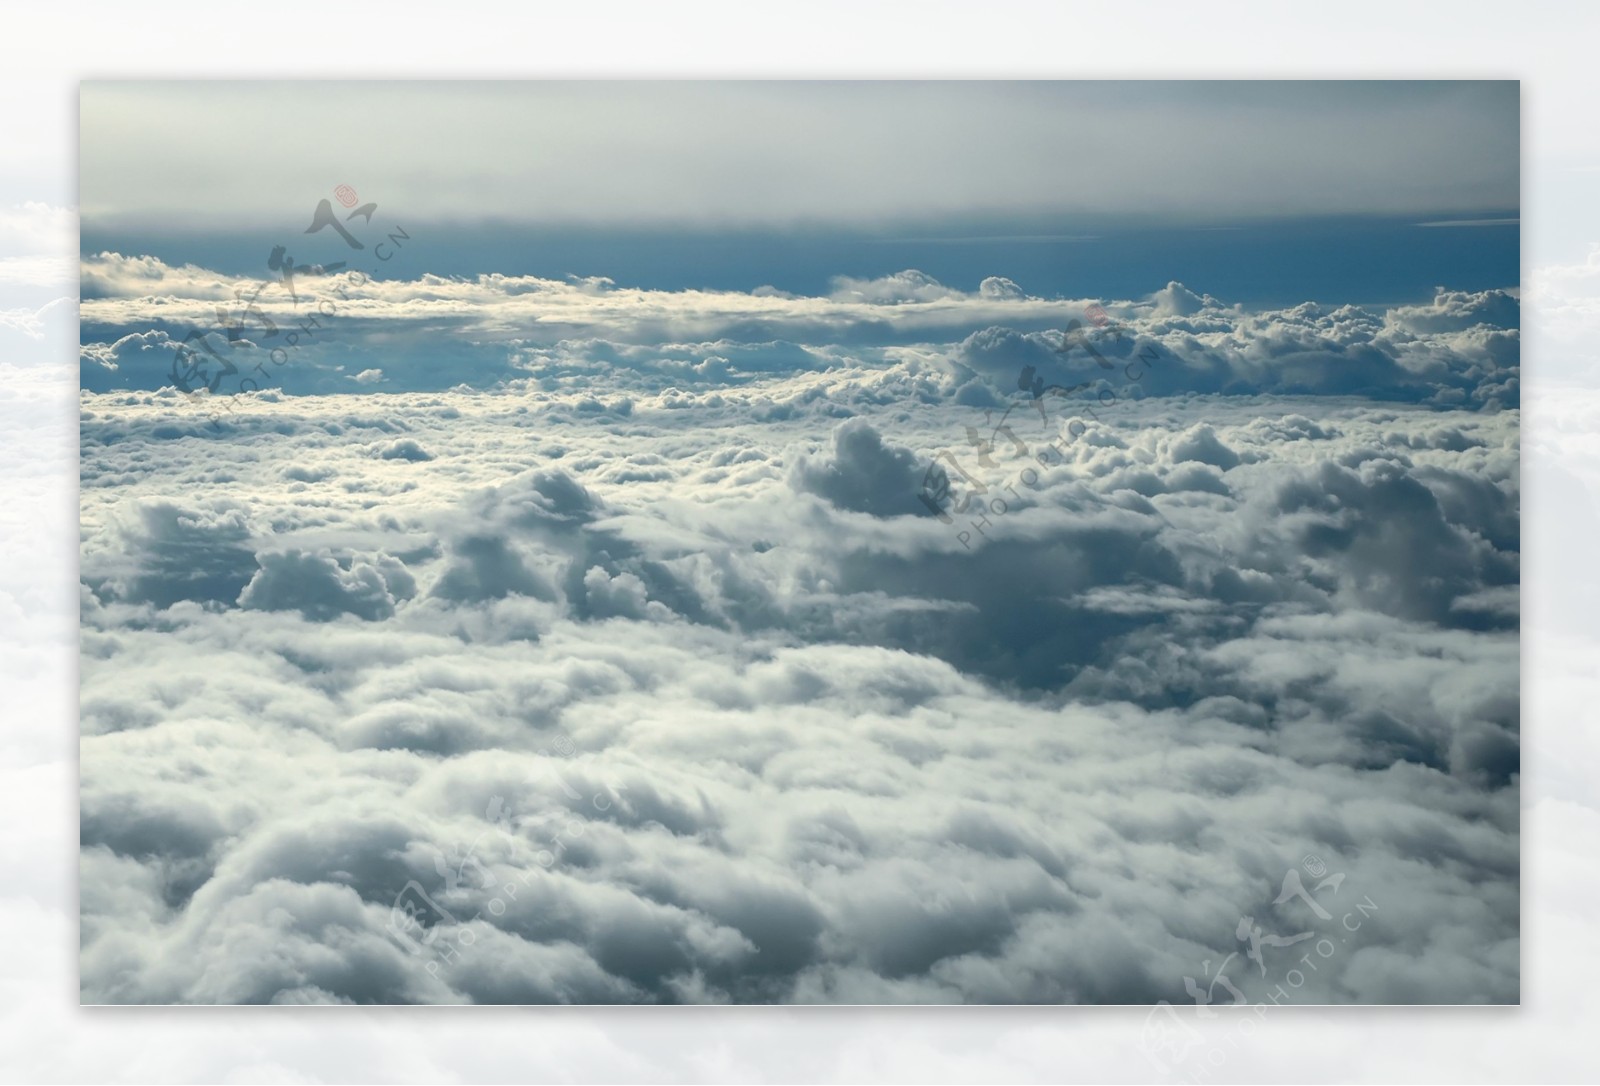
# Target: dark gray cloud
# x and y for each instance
(865, 474)
(319, 588)
(169, 553)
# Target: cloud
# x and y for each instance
(434, 333)
(1201, 444)
(405, 448)
(34, 229)
(1457, 311)
(485, 568)
(27, 334)
(865, 474)
(907, 286)
(670, 706)
(1177, 300)
(998, 286)
(610, 653)
(317, 587)
(167, 553)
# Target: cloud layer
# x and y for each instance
(141, 316)
(677, 693)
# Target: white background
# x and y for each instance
(44, 52)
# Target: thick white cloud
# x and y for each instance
(694, 701)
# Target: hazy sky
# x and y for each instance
(776, 154)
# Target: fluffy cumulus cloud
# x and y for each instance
(864, 473)
(141, 316)
(900, 645)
